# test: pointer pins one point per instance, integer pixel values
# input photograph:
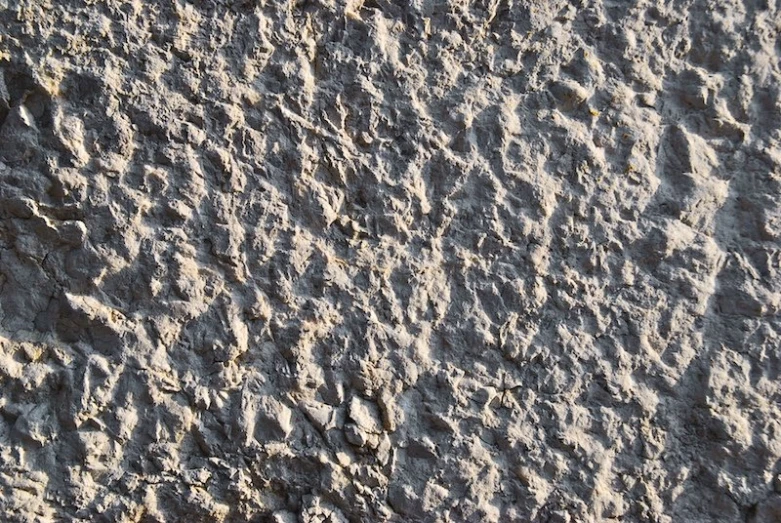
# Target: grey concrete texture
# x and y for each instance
(390, 261)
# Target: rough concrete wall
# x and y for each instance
(330, 260)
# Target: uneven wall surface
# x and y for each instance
(366, 261)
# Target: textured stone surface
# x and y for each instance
(367, 261)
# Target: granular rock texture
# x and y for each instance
(365, 261)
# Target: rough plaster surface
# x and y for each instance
(330, 261)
